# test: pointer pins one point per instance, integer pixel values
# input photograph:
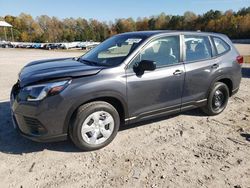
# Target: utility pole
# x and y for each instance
(12, 34)
(5, 33)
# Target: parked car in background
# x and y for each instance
(128, 78)
(36, 46)
(69, 45)
(88, 45)
(51, 46)
(6, 44)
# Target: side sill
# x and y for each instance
(235, 91)
(193, 104)
(167, 111)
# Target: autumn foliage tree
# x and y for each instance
(51, 29)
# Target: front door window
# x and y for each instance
(163, 51)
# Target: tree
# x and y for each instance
(189, 19)
(244, 11)
(52, 29)
(176, 23)
(161, 22)
(125, 25)
(142, 24)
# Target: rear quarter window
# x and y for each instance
(220, 45)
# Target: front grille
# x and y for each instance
(31, 121)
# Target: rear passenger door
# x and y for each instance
(199, 68)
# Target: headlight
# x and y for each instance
(39, 92)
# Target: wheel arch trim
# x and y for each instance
(94, 97)
(222, 77)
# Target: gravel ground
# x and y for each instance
(185, 150)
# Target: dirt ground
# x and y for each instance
(185, 150)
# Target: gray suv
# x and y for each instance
(128, 78)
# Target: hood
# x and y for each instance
(53, 69)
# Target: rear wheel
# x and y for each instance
(217, 99)
(95, 126)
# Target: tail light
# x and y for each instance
(240, 59)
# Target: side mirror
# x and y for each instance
(145, 65)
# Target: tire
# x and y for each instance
(84, 129)
(217, 99)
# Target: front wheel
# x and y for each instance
(96, 125)
(217, 99)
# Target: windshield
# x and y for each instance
(113, 51)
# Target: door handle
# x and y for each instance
(177, 72)
(215, 66)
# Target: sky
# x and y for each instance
(109, 10)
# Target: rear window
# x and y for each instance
(220, 45)
(197, 48)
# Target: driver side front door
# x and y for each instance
(156, 92)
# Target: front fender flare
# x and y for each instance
(91, 97)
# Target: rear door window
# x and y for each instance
(197, 48)
(220, 45)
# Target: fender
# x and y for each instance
(91, 97)
(227, 76)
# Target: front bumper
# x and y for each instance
(38, 138)
(38, 121)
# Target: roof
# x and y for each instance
(156, 32)
(145, 33)
(4, 24)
